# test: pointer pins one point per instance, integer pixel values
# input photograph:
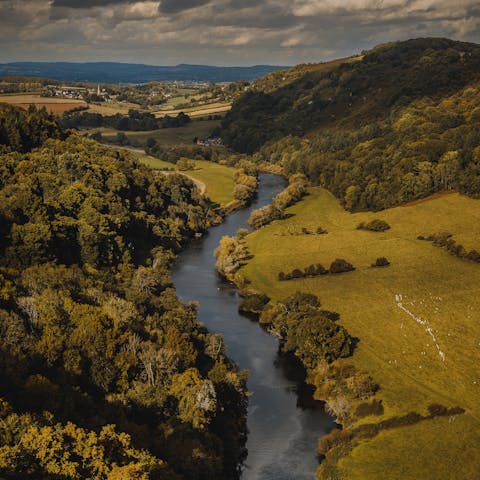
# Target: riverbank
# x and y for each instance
(284, 427)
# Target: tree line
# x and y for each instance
(134, 121)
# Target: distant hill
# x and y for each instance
(396, 123)
(111, 72)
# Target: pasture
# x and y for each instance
(215, 181)
(165, 136)
(417, 321)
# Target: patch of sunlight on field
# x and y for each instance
(399, 454)
(165, 136)
(219, 180)
(395, 349)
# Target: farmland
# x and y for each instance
(166, 136)
(57, 106)
(198, 111)
(384, 308)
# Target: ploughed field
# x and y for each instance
(417, 321)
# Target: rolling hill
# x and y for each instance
(112, 72)
(392, 125)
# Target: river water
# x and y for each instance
(284, 422)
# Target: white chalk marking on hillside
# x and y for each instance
(423, 323)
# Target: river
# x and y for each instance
(284, 422)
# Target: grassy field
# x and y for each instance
(219, 180)
(57, 106)
(166, 136)
(396, 350)
(112, 108)
(214, 180)
(198, 111)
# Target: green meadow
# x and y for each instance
(166, 136)
(216, 181)
(389, 310)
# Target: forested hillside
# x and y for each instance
(104, 372)
(396, 124)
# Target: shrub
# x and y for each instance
(373, 408)
(340, 265)
(321, 231)
(374, 226)
(282, 276)
(311, 271)
(241, 233)
(437, 410)
(320, 269)
(381, 262)
(185, 164)
(253, 303)
(334, 439)
(474, 256)
(362, 386)
(297, 273)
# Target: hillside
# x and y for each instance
(398, 123)
(414, 320)
(112, 72)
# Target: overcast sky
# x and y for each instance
(222, 32)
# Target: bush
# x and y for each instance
(361, 386)
(311, 271)
(297, 273)
(373, 408)
(374, 226)
(184, 164)
(282, 276)
(340, 265)
(334, 439)
(321, 231)
(381, 262)
(474, 256)
(320, 269)
(253, 303)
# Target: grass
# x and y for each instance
(219, 180)
(216, 181)
(166, 136)
(112, 108)
(199, 110)
(396, 351)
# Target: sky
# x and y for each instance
(222, 32)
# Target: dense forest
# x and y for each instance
(105, 373)
(398, 123)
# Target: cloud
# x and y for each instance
(176, 6)
(83, 4)
(224, 32)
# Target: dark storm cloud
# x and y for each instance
(222, 31)
(176, 6)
